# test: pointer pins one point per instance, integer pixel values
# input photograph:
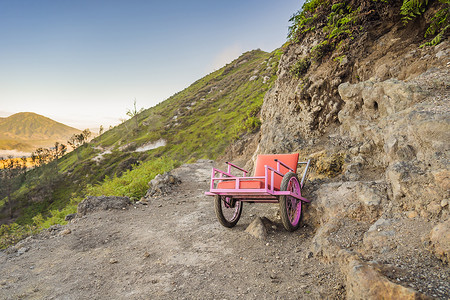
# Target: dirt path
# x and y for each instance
(174, 248)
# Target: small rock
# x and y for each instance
(444, 203)
(257, 229)
(143, 201)
(440, 241)
(434, 207)
(379, 223)
(411, 214)
(66, 232)
(113, 261)
(344, 61)
(146, 254)
(22, 250)
(70, 217)
(441, 54)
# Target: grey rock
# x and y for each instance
(379, 223)
(22, 250)
(257, 229)
(70, 217)
(162, 184)
(440, 241)
(92, 203)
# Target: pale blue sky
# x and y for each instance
(84, 62)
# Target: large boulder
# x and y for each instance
(161, 185)
(92, 203)
(364, 282)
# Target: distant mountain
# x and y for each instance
(26, 131)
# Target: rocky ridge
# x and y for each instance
(376, 125)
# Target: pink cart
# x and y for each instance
(275, 180)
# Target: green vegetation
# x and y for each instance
(412, 8)
(304, 19)
(198, 122)
(440, 24)
(340, 58)
(339, 20)
(133, 183)
(301, 67)
(11, 234)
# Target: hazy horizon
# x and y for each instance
(83, 63)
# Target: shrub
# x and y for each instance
(252, 124)
(319, 50)
(12, 233)
(303, 19)
(301, 67)
(440, 24)
(133, 183)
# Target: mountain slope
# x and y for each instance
(26, 130)
(198, 122)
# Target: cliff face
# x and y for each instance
(374, 116)
(305, 107)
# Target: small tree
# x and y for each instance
(86, 135)
(41, 156)
(79, 139)
(133, 114)
(24, 161)
(60, 150)
(11, 168)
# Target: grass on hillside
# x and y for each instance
(202, 120)
(133, 183)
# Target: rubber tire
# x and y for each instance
(283, 203)
(221, 217)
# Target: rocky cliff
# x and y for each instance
(373, 113)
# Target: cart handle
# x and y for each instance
(234, 166)
(283, 164)
(304, 172)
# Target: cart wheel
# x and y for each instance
(290, 207)
(228, 210)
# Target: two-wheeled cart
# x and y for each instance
(275, 181)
